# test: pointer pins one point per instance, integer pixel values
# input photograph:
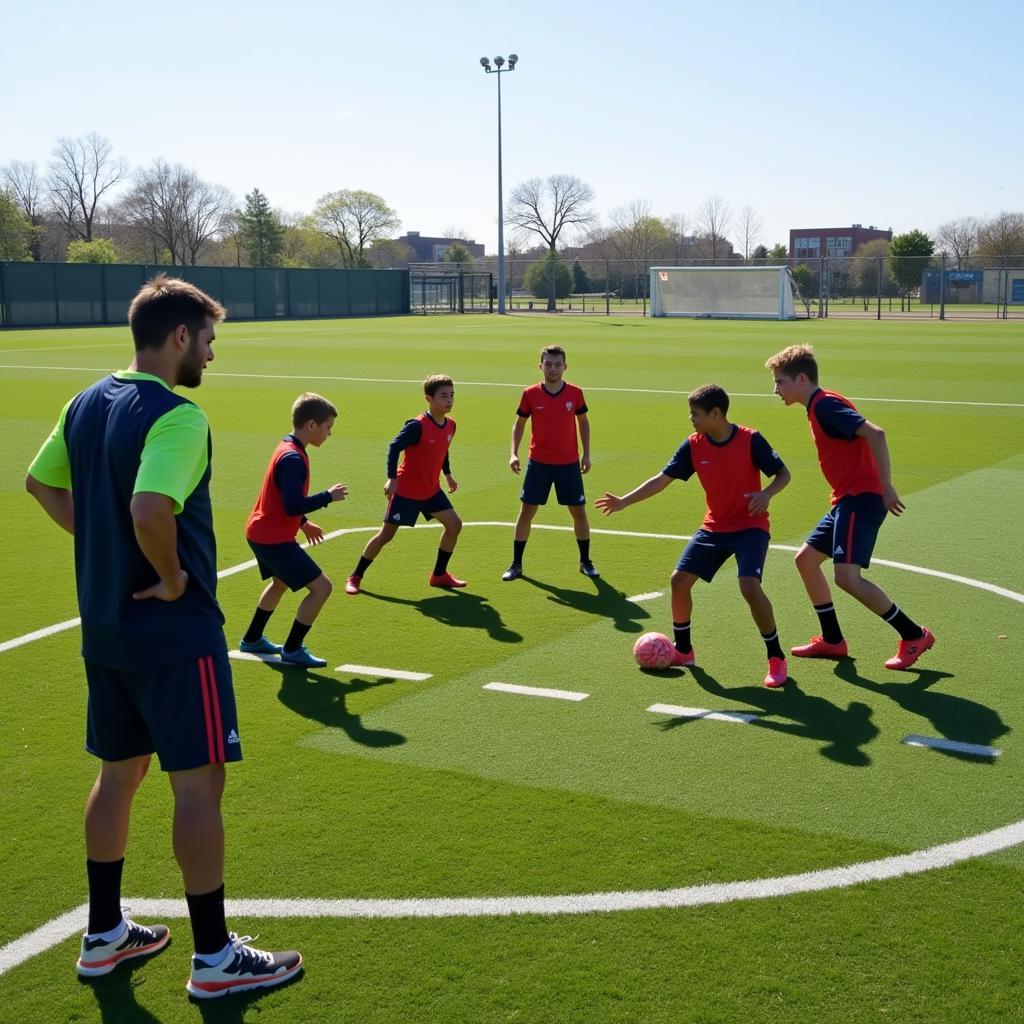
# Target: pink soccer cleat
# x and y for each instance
(778, 673)
(818, 647)
(352, 584)
(446, 580)
(680, 660)
(910, 650)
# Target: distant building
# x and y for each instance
(427, 249)
(832, 243)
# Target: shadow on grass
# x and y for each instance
(605, 601)
(115, 993)
(458, 608)
(232, 1009)
(322, 699)
(955, 718)
(791, 711)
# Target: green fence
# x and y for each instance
(65, 294)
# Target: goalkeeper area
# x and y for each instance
(728, 293)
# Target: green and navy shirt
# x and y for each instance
(130, 433)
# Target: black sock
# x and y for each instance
(296, 635)
(681, 632)
(584, 546)
(518, 547)
(104, 894)
(209, 929)
(907, 628)
(441, 565)
(830, 631)
(364, 564)
(257, 626)
(771, 641)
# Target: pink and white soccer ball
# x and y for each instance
(653, 650)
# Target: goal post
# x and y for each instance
(745, 293)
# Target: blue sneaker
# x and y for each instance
(261, 646)
(302, 657)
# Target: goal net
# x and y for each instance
(751, 293)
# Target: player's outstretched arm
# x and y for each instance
(610, 503)
(875, 437)
(56, 502)
(339, 492)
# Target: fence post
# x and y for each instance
(607, 293)
(5, 313)
(878, 314)
(942, 288)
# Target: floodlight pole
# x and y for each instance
(498, 70)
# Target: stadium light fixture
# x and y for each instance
(498, 69)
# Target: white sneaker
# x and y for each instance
(242, 969)
(98, 957)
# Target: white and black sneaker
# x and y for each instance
(588, 569)
(100, 956)
(513, 572)
(242, 969)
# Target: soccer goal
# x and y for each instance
(747, 293)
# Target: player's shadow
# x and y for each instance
(954, 717)
(322, 698)
(605, 601)
(458, 608)
(791, 711)
(115, 993)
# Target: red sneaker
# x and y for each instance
(352, 584)
(446, 579)
(818, 647)
(910, 650)
(680, 660)
(778, 673)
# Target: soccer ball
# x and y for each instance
(654, 650)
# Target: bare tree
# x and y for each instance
(204, 207)
(713, 219)
(546, 206)
(1002, 239)
(959, 238)
(81, 172)
(680, 237)
(23, 180)
(638, 237)
(750, 227)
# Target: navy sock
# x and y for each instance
(907, 628)
(518, 547)
(441, 565)
(584, 546)
(209, 928)
(104, 894)
(364, 564)
(771, 641)
(257, 626)
(681, 633)
(830, 631)
(296, 635)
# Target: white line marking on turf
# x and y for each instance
(977, 749)
(945, 855)
(388, 673)
(536, 691)
(741, 717)
(39, 634)
(519, 386)
(247, 656)
(646, 597)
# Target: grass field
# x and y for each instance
(359, 787)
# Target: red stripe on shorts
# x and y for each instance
(849, 538)
(204, 686)
(215, 695)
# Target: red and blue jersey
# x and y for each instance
(553, 434)
(845, 459)
(728, 470)
(284, 500)
(423, 444)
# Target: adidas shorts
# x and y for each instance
(405, 511)
(849, 529)
(707, 552)
(567, 481)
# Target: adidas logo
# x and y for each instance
(233, 737)
(397, 516)
(839, 550)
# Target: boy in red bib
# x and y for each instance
(854, 459)
(279, 513)
(412, 487)
(728, 460)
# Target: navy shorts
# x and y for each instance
(288, 562)
(405, 511)
(184, 713)
(568, 481)
(850, 528)
(707, 552)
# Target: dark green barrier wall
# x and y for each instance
(58, 294)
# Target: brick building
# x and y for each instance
(427, 249)
(819, 243)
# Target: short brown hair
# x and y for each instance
(436, 381)
(795, 360)
(310, 406)
(553, 350)
(164, 303)
(708, 397)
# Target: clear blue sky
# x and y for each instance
(901, 114)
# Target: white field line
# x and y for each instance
(247, 656)
(646, 597)
(945, 855)
(536, 691)
(741, 717)
(977, 749)
(519, 386)
(992, 588)
(387, 673)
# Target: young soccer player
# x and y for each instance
(412, 487)
(279, 513)
(854, 458)
(555, 407)
(728, 460)
(127, 472)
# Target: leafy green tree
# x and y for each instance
(760, 253)
(805, 280)
(260, 234)
(580, 279)
(353, 219)
(864, 268)
(99, 250)
(778, 253)
(458, 253)
(15, 230)
(539, 278)
(909, 255)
